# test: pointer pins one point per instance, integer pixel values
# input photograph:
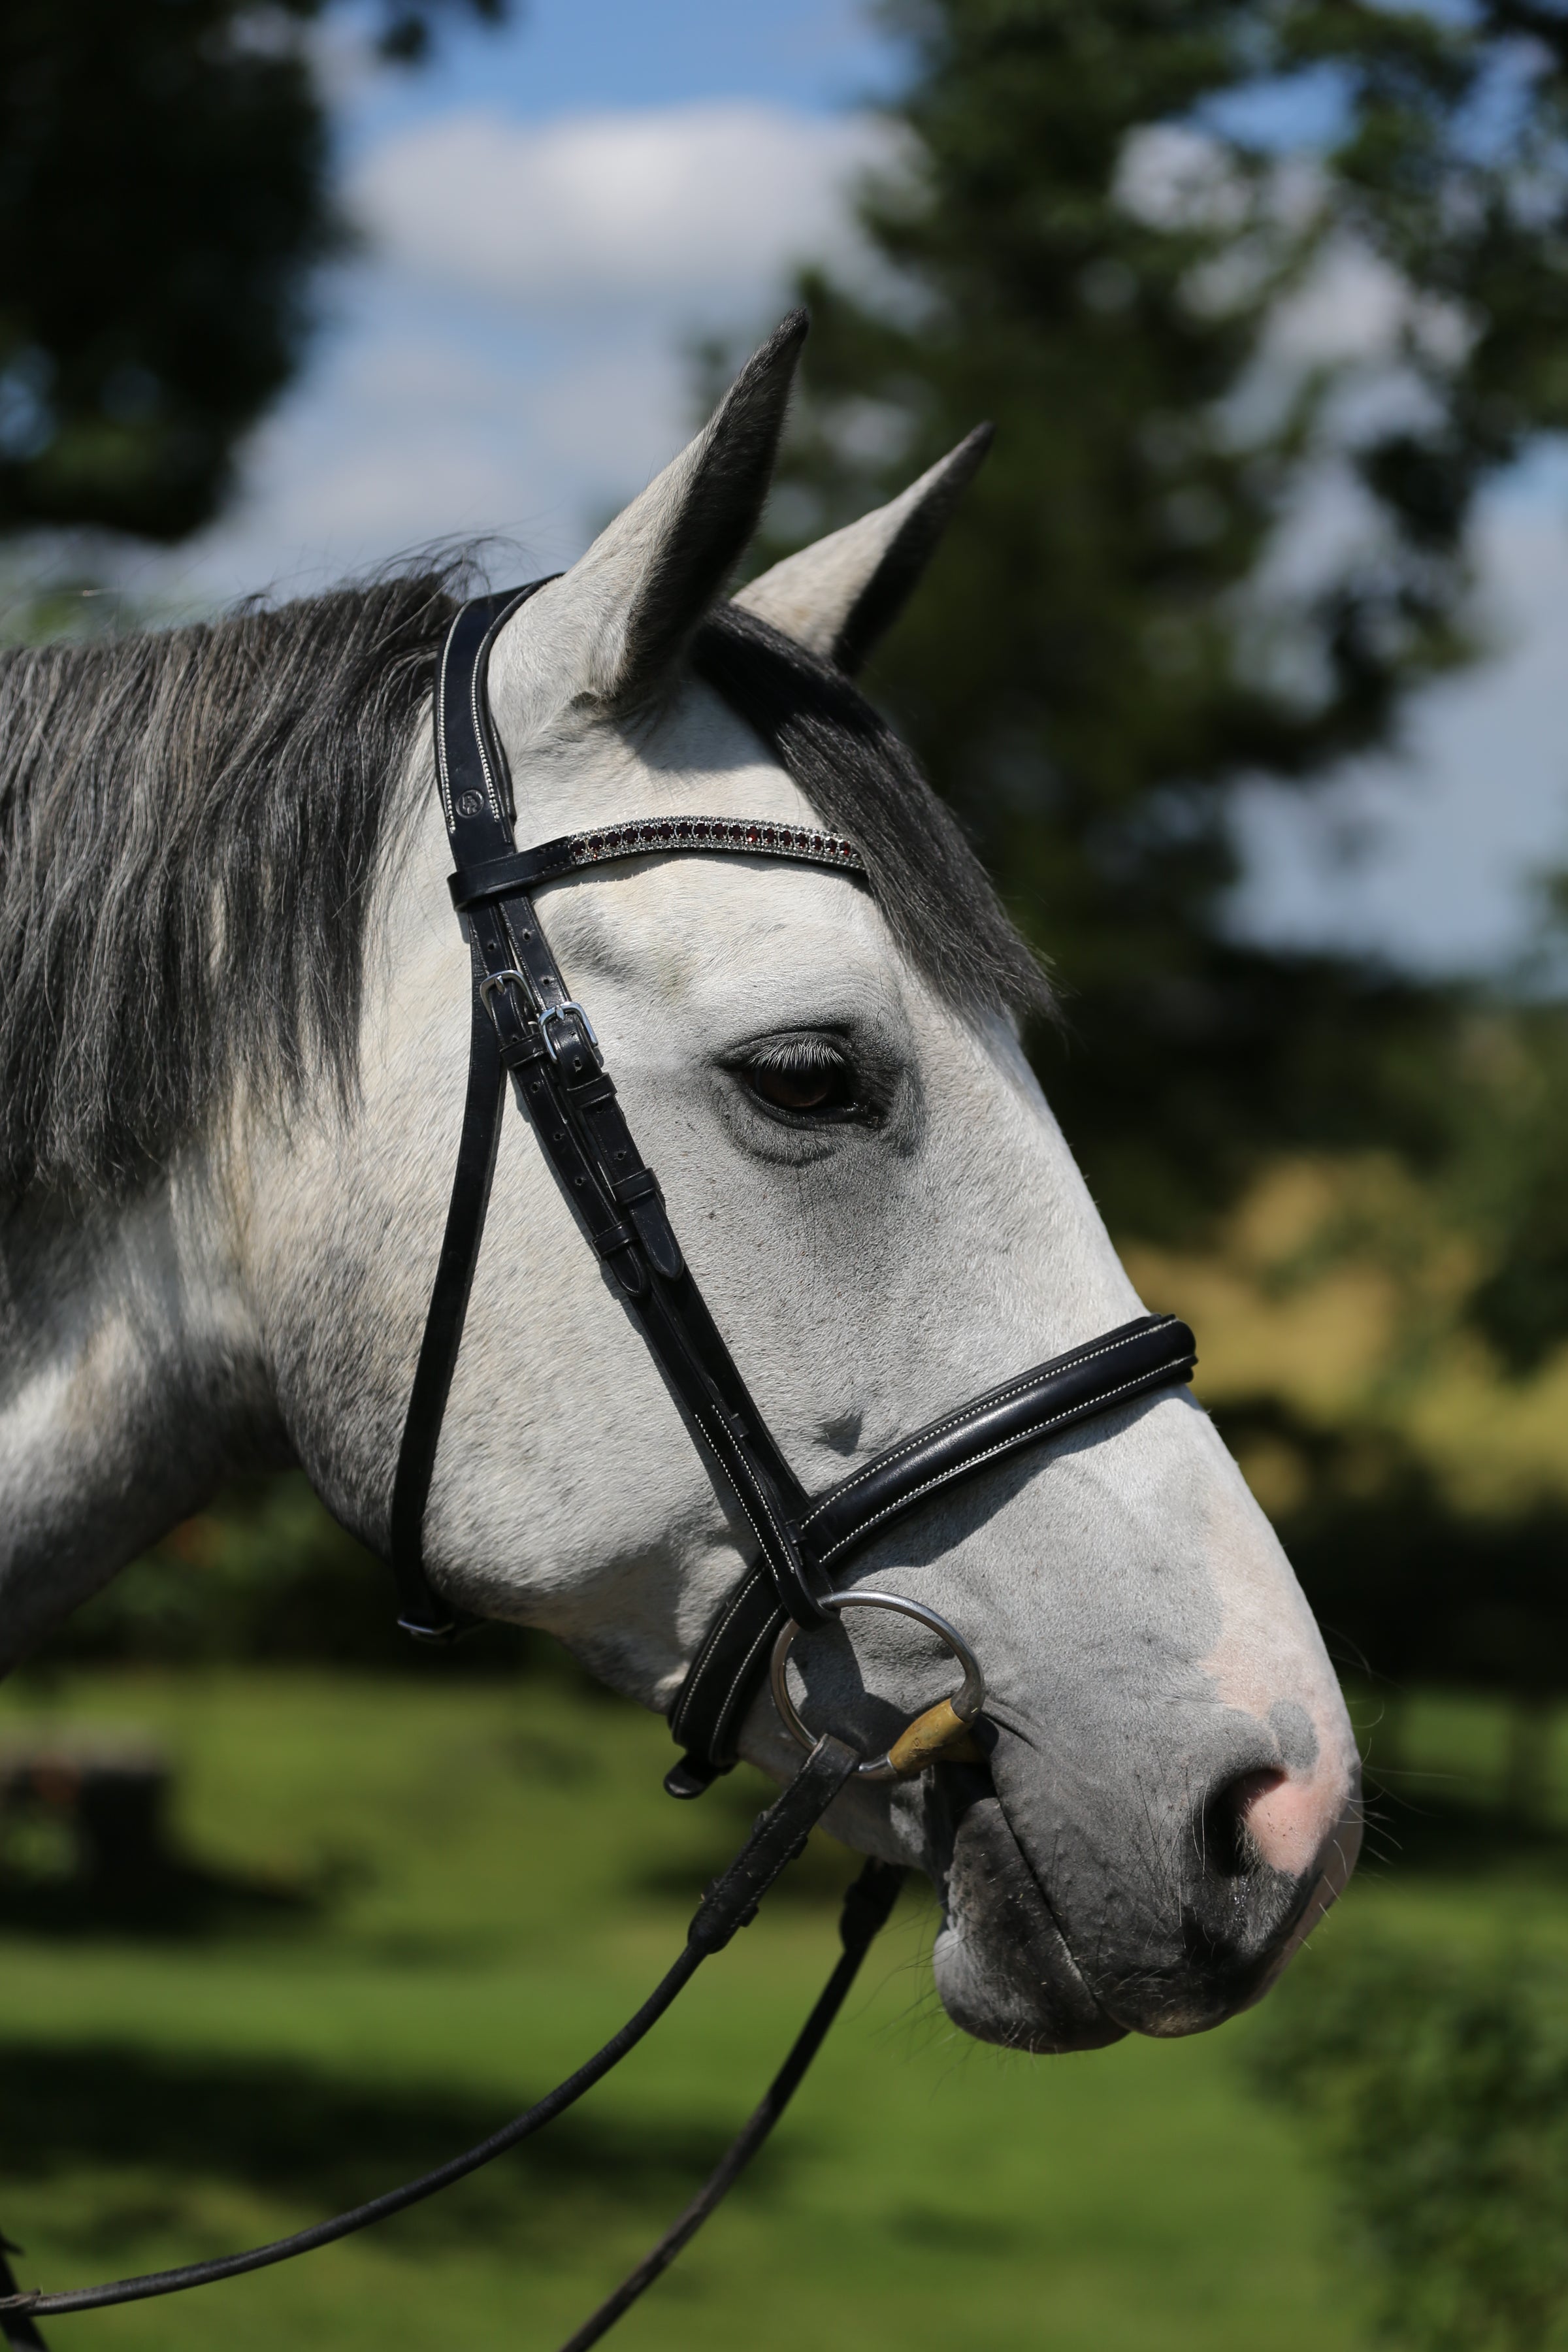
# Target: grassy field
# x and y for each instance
(424, 1900)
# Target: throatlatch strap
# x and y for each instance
(421, 1612)
(466, 777)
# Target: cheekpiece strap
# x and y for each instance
(545, 1041)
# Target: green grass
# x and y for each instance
(484, 1879)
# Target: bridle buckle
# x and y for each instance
(558, 1013)
(496, 980)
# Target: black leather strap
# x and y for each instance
(1154, 1351)
(547, 1042)
(470, 782)
(721, 1684)
(420, 1611)
(868, 1906)
(17, 2326)
(777, 1836)
(1151, 1352)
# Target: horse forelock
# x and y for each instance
(193, 821)
(863, 781)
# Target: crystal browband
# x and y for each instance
(495, 877)
(744, 834)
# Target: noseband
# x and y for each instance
(526, 1025)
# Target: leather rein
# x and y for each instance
(527, 1027)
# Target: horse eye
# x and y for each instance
(804, 1078)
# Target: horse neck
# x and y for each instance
(130, 1384)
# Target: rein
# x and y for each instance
(527, 1027)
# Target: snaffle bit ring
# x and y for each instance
(927, 1738)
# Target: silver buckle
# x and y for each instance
(493, 979)
(558, 1013)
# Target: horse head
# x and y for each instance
(885, 1219)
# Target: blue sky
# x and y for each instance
(548, 213)
(552, 211)
(560, 56)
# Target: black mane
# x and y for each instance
(192, 822)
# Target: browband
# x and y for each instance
(526, 1023)
(524, 870)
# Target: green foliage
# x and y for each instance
(1086, 244)
(164, 201)
(1437, 2086)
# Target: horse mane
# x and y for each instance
(192, 821)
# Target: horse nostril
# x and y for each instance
(1231, 1821)
(1269, 1820)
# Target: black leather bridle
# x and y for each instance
(526, 1025)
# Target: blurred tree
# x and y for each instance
(1511, 1171)
(1258, 292)
(164, 201)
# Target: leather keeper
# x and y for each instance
(611, 1239)
(519, 1053)
(628, 1270)
(507, 878)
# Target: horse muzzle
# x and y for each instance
(1054, 1941)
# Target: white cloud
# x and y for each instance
(422, 427)
(507, 354)
(700, 204)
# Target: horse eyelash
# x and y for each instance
(793, 1053)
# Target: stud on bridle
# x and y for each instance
(526, 1026)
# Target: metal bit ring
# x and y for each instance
(947, 1721)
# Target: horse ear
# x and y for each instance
(838, 596)
(610, 630)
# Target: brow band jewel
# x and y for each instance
(748, 837)
(495, 878)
